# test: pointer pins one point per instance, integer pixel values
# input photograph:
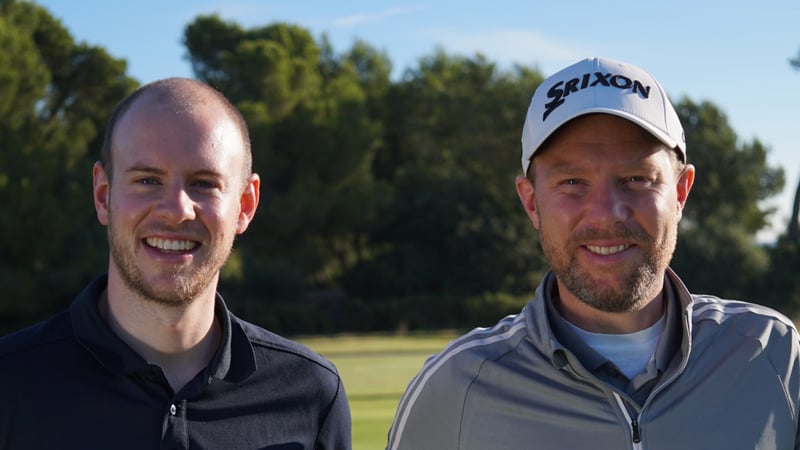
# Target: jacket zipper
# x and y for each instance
(635, 429)
(633, 423)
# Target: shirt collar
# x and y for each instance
(569, 338)
(234, 361)
(670, 339)
(592, 360)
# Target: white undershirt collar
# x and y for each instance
(630, 352)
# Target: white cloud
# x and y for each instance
(366, 18)
(510, 46)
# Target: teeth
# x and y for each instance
(170, 245)
(606, 250)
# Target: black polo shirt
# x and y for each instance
(70, 382)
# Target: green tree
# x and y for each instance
(454, 230)
(717, 252)
(781, 287)
(793, 227)
(55, 96)
(782, 283)
(793, 230)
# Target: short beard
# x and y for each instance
(185, 287)
(637, 290)
(641, 285)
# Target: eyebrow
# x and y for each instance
(158, 171)
(146, 169)
(569, 168)
(560, 168)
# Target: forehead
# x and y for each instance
(155, 130)
(599, 137)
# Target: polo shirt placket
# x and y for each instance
(176, 434)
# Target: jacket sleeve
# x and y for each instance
(429, 414)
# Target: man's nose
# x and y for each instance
(176, 205)
(608, 204)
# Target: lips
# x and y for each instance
(171, 245)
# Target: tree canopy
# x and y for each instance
(55, 96)
(385, 203)
(724, 210)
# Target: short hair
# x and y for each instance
(184, 92)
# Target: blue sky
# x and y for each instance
(732, 53)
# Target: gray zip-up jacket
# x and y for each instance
(735, 384)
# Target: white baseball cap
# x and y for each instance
(600, 85)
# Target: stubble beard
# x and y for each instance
(637, 288)
(187, 282)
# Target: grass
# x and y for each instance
(376, 370)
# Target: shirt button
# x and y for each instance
(172, 409)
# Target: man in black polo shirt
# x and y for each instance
(148, 356)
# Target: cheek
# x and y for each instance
(221, 216)
(658, 215)
(556, 217)
(125, 207)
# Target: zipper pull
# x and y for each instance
(635, 427)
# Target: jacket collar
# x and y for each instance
(541, 324)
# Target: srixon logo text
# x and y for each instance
(559, 91)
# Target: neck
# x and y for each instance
(181, 339)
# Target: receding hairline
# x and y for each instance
(183, 95)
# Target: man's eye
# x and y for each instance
(202, 184)
(147, 181)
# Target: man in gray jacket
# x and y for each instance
(613, 352)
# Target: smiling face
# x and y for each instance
(606, 201)
(177, 199)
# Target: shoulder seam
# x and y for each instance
(476, 338)
(304, 353)
(707, 305)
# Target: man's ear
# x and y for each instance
(248, 202)
(528, 198)
(685, 182)
(101, 189)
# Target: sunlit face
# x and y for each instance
(176, 201)
(607, 202)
